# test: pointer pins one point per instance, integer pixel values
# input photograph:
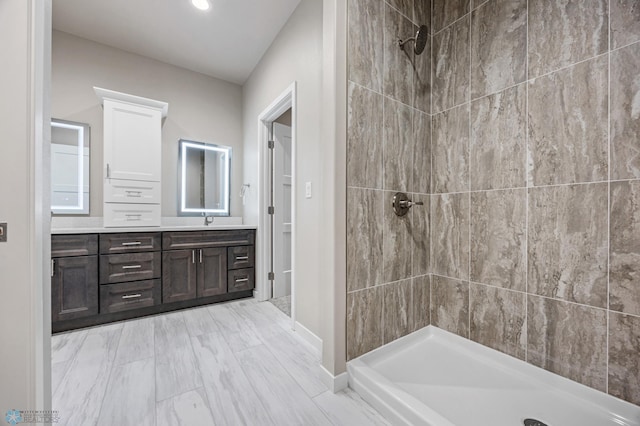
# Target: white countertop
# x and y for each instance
(103, 230)
(93, 225)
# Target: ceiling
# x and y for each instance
(225, 42)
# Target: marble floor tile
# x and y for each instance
(176, 369)
(78, 399)
(258, 320)
(285, 402)
(136, 342)
(301, 363)
(347, 408)
(130, 398)
(235, 329)
(187, 409)
(199, 321)
(64, 346)
(231, 396)
(58, 371)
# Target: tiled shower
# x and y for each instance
(519, 129)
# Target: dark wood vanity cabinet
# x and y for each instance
(195, 264)
(74, 276)
(99, 278)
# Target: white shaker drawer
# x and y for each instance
(131, 215)
(131, 191)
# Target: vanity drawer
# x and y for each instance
(131, 215)
(240, 279)
(74, 245)
(131, 191)
(129, 242)
(118, 268)
(201, 239)
(123, 297)
(240, 257)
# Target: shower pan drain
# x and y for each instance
(533, 422)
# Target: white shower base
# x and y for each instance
(432, 377)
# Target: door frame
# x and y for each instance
(286, 100)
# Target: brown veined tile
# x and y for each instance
(364, 238)
(398, 64)
(568, 120)
(397, 244)
(564, 32)
(450, 235)
(498, 46)
(450, 150)
(420, 298)
(398, 310)
(625, 113)
(624, 362)
(364, 321)
(403, 6)
(422, 79)
(567, 243)
(420, 234)
(498, 140)
(625, 22)
(498, 238)
(422, 13)
(498, 319)
(450, 67)
(450, 305)
(568, 339)
(624, 278)
(421, 180)
(365, 42)
(398, 140)
(447, 11)
(364, 138)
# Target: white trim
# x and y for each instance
(309, 337)
(334, 383)
(106, 94)
(281, 104)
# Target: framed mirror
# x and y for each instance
(204, 179)
(70, 146)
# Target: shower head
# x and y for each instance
(420, 40)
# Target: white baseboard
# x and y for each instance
(334, 383)
(309, 337)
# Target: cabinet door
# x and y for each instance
(179, 269)
(132, 141)
(212, 271)
(74, 288)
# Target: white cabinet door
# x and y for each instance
(132, 142)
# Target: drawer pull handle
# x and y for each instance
(133, 216)
(131, 296)
(242, 280)
(136, 194)
(242, 257)
(135, 243)
(132, 267)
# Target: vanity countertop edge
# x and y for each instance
(102, 230)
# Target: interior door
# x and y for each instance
(282, 217)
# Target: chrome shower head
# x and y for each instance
(420, 40)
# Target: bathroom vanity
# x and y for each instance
(104, 275)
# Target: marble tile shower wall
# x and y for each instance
(535, 205)
(389, 150)
(524, 143)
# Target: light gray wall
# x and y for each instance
(201, 108)
(295, 55)
(25, 368)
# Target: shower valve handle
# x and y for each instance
(402, 203)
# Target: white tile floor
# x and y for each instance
(235, 363)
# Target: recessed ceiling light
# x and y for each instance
(201, 4)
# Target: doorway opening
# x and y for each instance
(278, 153)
